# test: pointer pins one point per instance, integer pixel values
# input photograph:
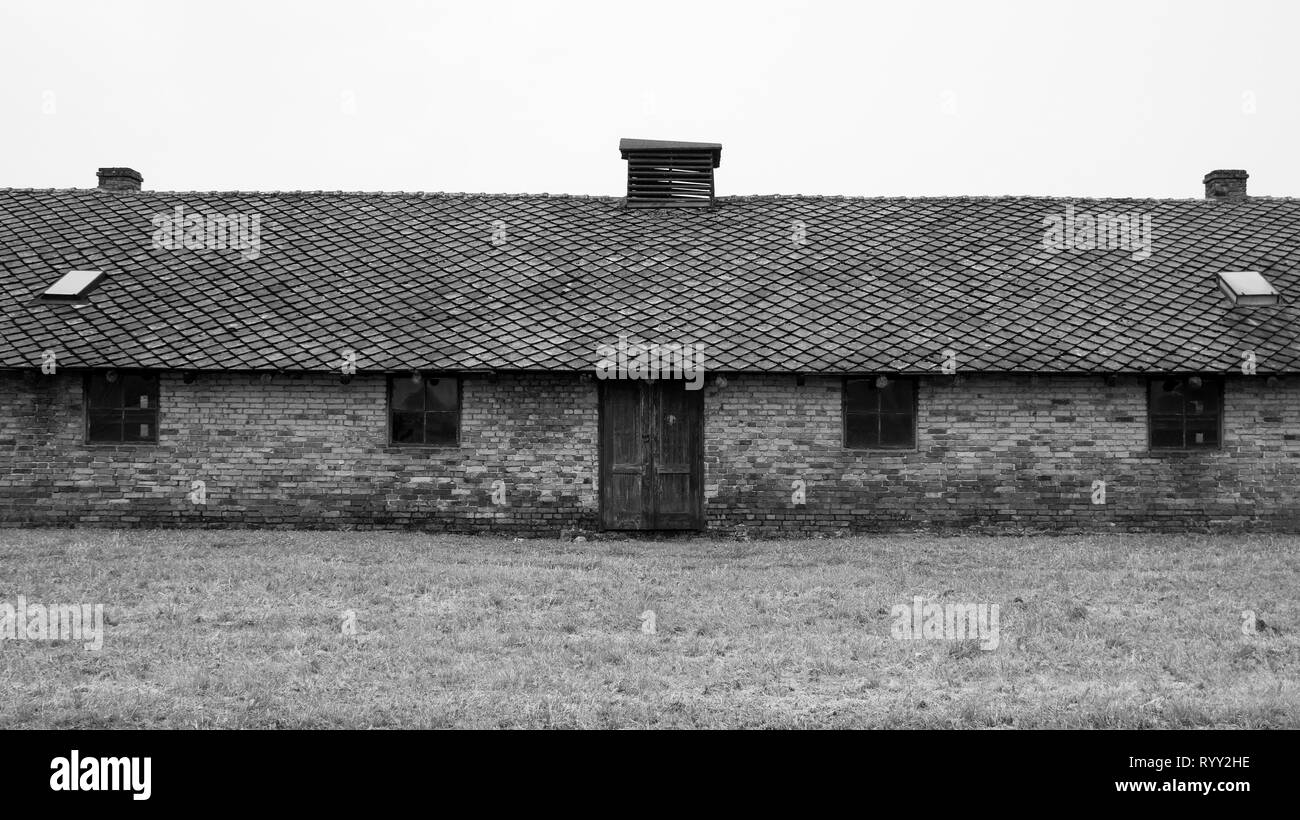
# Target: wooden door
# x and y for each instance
(651, 456)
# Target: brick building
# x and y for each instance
(450, 361)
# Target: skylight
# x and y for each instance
(74, 284)
(1247, 287)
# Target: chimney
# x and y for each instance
(1226, 186)
(119, 179)
(663, 174)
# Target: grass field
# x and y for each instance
(243, 629)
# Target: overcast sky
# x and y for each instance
(1129, 98)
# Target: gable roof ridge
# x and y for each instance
(985, 198)
(611, 198)
(451, 195)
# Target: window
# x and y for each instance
(1185, 412)
(424, 411)
(73, 285)
(879, 413)
(1246, 287)
(121, 407)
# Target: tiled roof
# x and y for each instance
(417, 281)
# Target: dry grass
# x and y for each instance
(242, 629)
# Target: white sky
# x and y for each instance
(1135, 98)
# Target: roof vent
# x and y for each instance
(1248, 288)
(73, 287)
(119, 179)
(662, 174)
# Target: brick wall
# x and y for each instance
(998, 452)
(303, 452)
(993, 452)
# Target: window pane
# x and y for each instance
(1167, 396)
(860, 396)
(102, 394)
(139, 390)
(1205, 399)
(442, 394)
(1166, 431)
(407, 395)
(139, 425)
(408, 428)
(896, 396)
(105, 425)
(439, 428)
(1203, 432)
(897, 430)
(861, 430)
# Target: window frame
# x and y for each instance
(912, 446)
(1222, 385)
(155, 398)
(390, 411)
